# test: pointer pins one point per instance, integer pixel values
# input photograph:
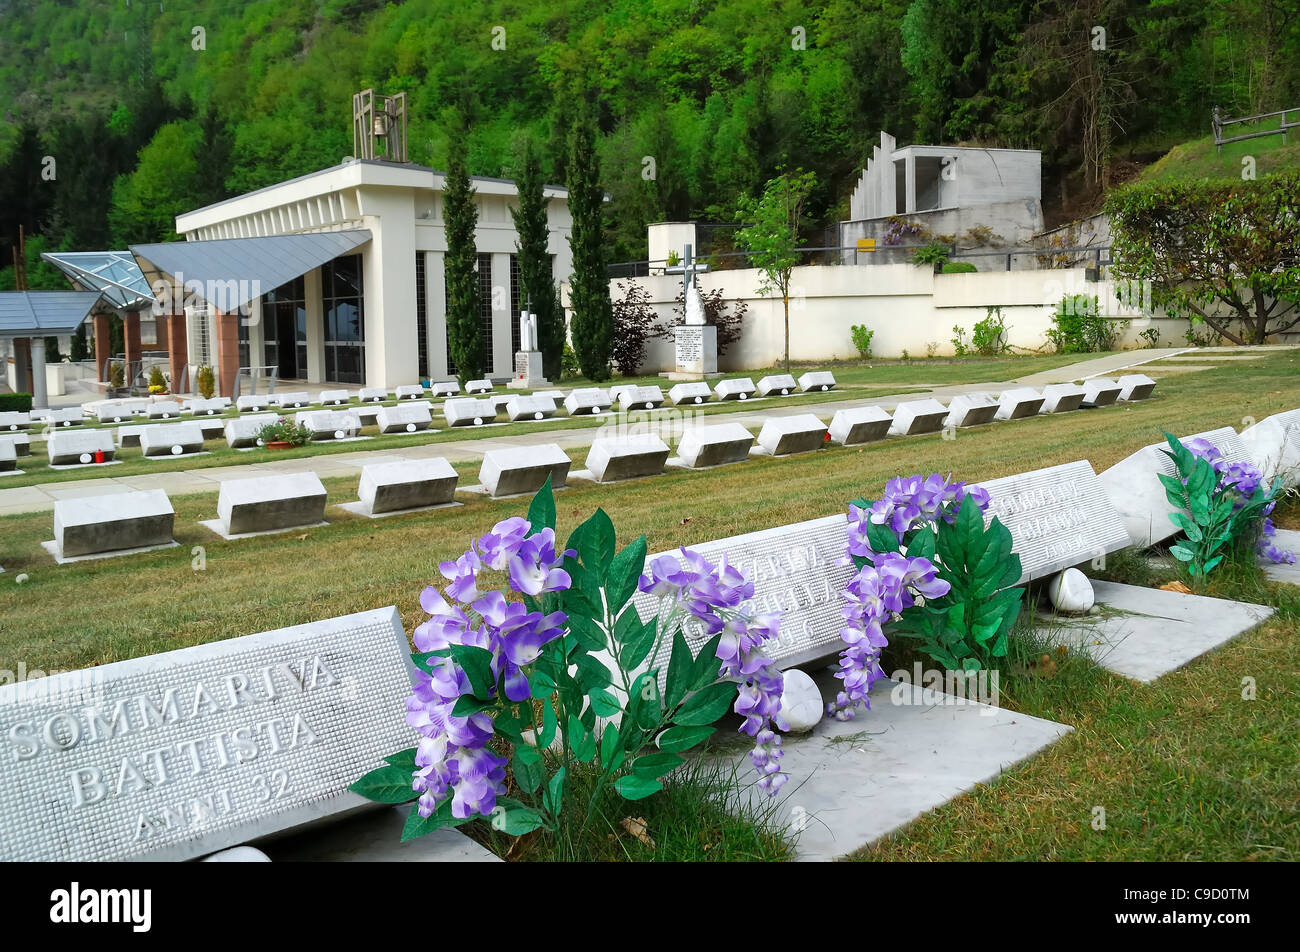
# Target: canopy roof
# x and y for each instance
(113, 273)
(230, 272)
(44, 313)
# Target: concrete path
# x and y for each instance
(1107, 366)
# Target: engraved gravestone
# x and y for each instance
(1273, 446)
(175, 755)
(796, 569)
(1058, 517)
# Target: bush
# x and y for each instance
(205, 382)
(862, 339)
(933, 253)
(284, 431)
(117, 376)
(1152, 336)
(156, 380)
(1078, 327)
(989, 337)
(569, 367)
(634, 324)
(80, 349)
(15, 402)
(715, 315)
(959, 345)
(957, 267)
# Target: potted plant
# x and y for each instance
(156, 383)
(283, 434)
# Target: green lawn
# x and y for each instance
(1200, 159)
(1183, 767)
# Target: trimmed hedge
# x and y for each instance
(15, 402)
(958, 267)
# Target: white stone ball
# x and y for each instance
(1071, 592)
(539, 415)
(177, 450)
(699, 399)
(785, 391)
(478, 421)
(117, 419)
(338, 434)
(85, 457)
(801, 701)
(744, 396)
(238, 854)
(649, 405)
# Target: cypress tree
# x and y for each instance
(464, 327)
(593, 315)
(535, 261)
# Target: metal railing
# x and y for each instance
(1218, 122)
(253, 375)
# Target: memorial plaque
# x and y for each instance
(1062, 397)
(1100, 392)
(796, 569)
(176, 755)
(778, 385)
(1273, 445)
(409, 391)
(1139, 496)
(970, 409)
(163, 439)
(860, 425)
(69, 449)
(1018, 403)
(913, 417)
(798, 433)
(740, 388)
(689, 393)
(403, 418)
(466, 411)
(164, 410)
(1058, 517)
(1135, 386)
(817, 381)
(695, 349)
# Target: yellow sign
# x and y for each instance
(866, 244)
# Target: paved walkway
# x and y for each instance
(181, 482)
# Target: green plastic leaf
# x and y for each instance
(706, 705)
(656, 765)
(707, 664)
(477, 665)
(589, 634)
(596, 545)
(553, 797)
(592, 673)
(681, 665)
(1182, 553)
(417, 826)
(541, 511)
(635, 639)
(403, 758)
(546, 735)
(542, 685)
(516, 821)
(387, 784)
(467, 704)
(921, 545)
(624, 572)
(881, 538)
(529, 772)
(676, 739)
(581, 742)
(605, 704)
(632, 787)
(611, 751)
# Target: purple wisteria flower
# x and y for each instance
(715, 595)
(1266, 547)
(908, 503)
(1243, 480)
(453, 759)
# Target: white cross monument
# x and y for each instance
(528, 359)
(696, 342)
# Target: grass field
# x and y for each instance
(1200, 159)
(1184, 768)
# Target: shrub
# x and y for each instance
(1152, 336)
(156, 380)
(569, 367)
(715, 315)
(931, 348)
(117, 376)
(959, 345)
(205, 382)
(933, 253)
(958, 267)
(634, 324)
(862, 339)
(989, 337)
(15, 402)
(284, 430)
(1078, 327)
(80, 349)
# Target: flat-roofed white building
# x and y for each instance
(338, 276)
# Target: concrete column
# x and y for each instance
(227, 353)
(388, 268)
(315, 326)
(501, 358)
(131, 335)
(178, 352)
(910, 176)
(102, 346)
(23, 366)
(435, 288)
(40, 397)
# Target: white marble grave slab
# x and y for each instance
(330, 424)
(816, 380)
(268, 504)
(372, 395)
(640, 398)
(242, 431)
(714, 444)
(529, 408)
(860, 425)
(293, 400)
(1062, 397)
(163, 439)
(1018, 403)
(970, 409)
(255, 402)
(65, 449)
(213, 407)
(797, 433)
(739, 388)
(584, 401)
(334, 398)
(66, 417)
(614, 458)
(403, 418)
(689, 393)
(523, 469)
(466, 411)
(1100, 392)
(777, 385)
(119, 522)
(164, 410)
(445, 388)
(12, 421)
(409, 391)
(1135, 386)
(1289, 572)
(1273, 446)
(913, 417)
(478, 386)
(406, 484)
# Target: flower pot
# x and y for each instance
(279, 445)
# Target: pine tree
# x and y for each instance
(593, 315)
(464, 327)
(535, 260)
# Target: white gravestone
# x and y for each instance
(776, 385)
(164, 410)
(478, 386)
(177, 755)
(213, 427)
(797, 570)
(21, 443)
(372, 395)
(530, 408)
(918, 416)
(585, 401)
(714, 445)
(640, 398)
(214, 407)
(556, 395)
(129, 434)
(816, 381)
(860, 425)
(684, 394)
(1139, 496)
(1018, 403)
(68, 449)
(162, 439)
(409, 391)
(970, 409)
(1058, 517)
(1273, 446)
(107, 412)
(270, 503)
(242, 431)
(72, 416)
(523, 469)
(13, 421)
(741, 388)
(1100, 392)
(798, 433)
(613, 458)
(89, 525)
(445, 388)
(406, 484)
(403, 419)
(500, 400)
(254, 402)
(334, 398)
(617, 390)
(1135, 386)
(1062, 397)
(293, 400)
(695, 348)
(8, 456)
(330, 424)
(465, 411)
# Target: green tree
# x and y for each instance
(535, 260)
(772, 234)
(1224, 253)
(163, 185)
(464, 326)
(593, 314)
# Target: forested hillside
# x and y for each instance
(151, 107)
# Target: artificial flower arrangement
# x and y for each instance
(533, 664)
(1218, 504)
(283, 430)
(928, 569)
